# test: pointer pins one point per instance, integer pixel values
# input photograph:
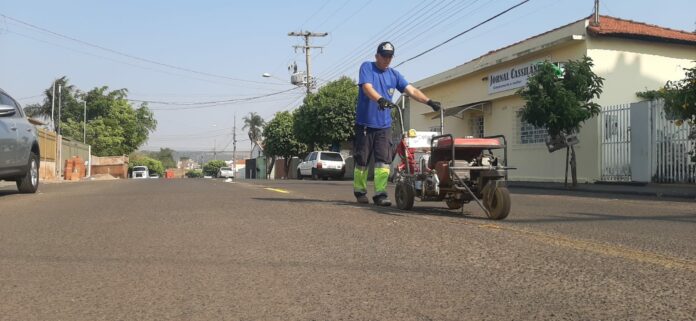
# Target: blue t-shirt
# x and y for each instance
(385, 82)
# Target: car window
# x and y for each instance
(6, 100)
(225, 169)
(313, 156)
(139, 168)
(331, 157)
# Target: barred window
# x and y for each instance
(530, 134)
(477, 126)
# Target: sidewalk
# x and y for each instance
(684, 191)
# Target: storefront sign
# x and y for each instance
(512, 78)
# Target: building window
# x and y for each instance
(530, 134)
(477, 126)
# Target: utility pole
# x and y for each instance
(234, 145)
(306, 48)
(60, 138)
(84, 124)
(53, 105)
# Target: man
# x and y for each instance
(377, 84)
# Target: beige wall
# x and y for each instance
(629, 66)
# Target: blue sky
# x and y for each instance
(220, 49)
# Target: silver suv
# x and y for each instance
(19, 146)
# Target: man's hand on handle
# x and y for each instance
(435, 105)
(385, 103)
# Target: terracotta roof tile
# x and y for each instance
(610, 26)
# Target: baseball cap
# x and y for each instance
(385, 49)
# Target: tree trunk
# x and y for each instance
(566, 163)
(286, 162)
(573, 166)
(270, 167)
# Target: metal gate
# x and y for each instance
(615, 149)
(672, 149)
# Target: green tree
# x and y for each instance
(194, 173)
(254, 123)
(680, 102)
(153, 165)
(279, 139)
(561, 104)
(211, 168)
(328, 116)
(166, 156)
(66, 102)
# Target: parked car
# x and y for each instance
(225, 172)
(140, 172)
(155, 175)
(321, 164)
(19, 146)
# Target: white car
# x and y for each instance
(140, 172)
(225, 172)
(322, 164)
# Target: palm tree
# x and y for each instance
(255, 124)
(44, 110)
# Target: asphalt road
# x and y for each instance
(202, 249)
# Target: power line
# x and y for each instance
(214, 102)
(461, 33)
(127, 55)
(119, 61)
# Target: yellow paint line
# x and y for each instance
(277, 190)
(601, 248)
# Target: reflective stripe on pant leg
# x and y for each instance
(381, 178)
(360, 179)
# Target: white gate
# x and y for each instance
(671, 149)
(615, 150)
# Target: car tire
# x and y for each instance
(29, 183)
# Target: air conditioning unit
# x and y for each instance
(298, 78)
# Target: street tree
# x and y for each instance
(166, 156)
(66, 99)
(254, 124)
(211, 168)
(113, 126)
(680, 102)
(328, 116)
(153, 165)
(562, 102)
(279, 139)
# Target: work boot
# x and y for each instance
(361, 198)
(381, 200)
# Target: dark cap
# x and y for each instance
(385, 49)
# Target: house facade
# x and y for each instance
(481, 95)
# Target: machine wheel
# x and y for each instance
(498, 205)
(29, 183)
(315, 176)
(405, 195)
(299, 174)
(454, 204)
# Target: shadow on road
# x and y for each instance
(392, 210)
(586, 194)
(603, 217)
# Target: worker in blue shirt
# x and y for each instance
(377, 84)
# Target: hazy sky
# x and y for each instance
(201, 51)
